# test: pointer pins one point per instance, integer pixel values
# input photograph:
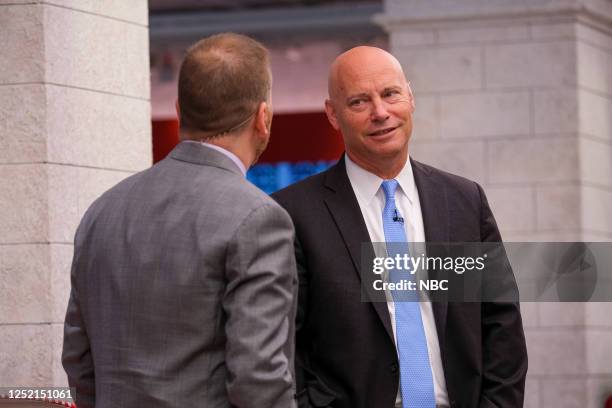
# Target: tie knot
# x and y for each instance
(389, 187)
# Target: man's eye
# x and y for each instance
(355, 102)
(391, 93)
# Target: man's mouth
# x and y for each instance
(382, 131)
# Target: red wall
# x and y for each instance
(165, 137)
(295, 137)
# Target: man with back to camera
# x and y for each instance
(183, 278)
(354, 354)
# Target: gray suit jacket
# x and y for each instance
(183, 291)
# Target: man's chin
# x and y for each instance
(390, 150)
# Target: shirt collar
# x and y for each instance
(226, 152)
(366, 184)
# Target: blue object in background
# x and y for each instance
(273, 177)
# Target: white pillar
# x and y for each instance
(518, 96)
(74, 120)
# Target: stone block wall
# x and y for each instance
(518, 96)
(74, 120)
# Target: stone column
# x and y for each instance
(74, 120)
(517, 95)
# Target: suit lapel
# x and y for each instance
(344, 208)
(342, 204)
(436, 220)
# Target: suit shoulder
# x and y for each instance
(252, 196)
(449, 179)
(302, 190)
(242, 200)
(104, 203)
(118, 190)
(258, 211)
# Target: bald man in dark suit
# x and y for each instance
(356, 354)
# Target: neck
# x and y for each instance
(385, 169)
(235, 143)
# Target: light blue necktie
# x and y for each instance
(416, 381)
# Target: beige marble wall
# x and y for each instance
(74, 120)
(517, 95)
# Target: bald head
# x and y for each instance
(371, 104)
(357, 62)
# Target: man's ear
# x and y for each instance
(261, 118)
(410, 97)
(330, 111)
(178, 112)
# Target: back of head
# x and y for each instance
(222, 81)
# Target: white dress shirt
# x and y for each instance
(371, 199)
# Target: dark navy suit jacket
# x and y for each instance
(345, 353)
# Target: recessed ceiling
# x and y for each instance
(212, 5)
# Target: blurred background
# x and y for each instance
(516, 95)
(303, 36)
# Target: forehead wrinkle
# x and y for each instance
(371, 84)
(361, 65)
(366, 67)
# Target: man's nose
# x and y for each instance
(379, 111)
